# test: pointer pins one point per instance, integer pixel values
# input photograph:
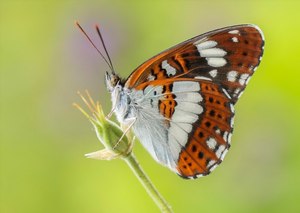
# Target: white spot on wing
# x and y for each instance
(242, 81)
(205, 45)
(213, 73)
(170, 70)
(189, 107)
(226, 93)
(237, 91)
(151, 78)
(232, 108)
(234, 32)
(231, 76)
(241, 93)
(202, 78)
(185, 86)
(211, 143)
(213, 52)
(213, 167)
(248, 79)
(194, 97)
(223, 154)
(225, 136)
(229, 137)
(220, 151)
(216, 62)
(213, 55)
(235, 39)
(243, 78)
(199, 175)
(210, 163)
(231, 122)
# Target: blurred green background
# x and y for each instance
(45, 60)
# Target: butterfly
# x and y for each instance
(180, 103)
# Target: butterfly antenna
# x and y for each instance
(92, 43)
(105, 49)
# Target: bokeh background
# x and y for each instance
(45, 60)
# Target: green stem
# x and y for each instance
(143, 178)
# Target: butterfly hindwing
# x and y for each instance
(198, 118)
(209, 139)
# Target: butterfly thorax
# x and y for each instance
(123, 106)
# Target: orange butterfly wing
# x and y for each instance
(216, 66)
(241, 50)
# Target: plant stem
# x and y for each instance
(143, 178)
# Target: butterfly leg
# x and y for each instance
(110, 113)
(125, 132)
(131, 144)
(114, 105)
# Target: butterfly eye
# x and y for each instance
(112, 81)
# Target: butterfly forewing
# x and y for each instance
(193, 87)
(228, 57)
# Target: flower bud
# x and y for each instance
(116, 143)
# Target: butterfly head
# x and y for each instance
(112, 80)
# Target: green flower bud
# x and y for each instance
(116, 143)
